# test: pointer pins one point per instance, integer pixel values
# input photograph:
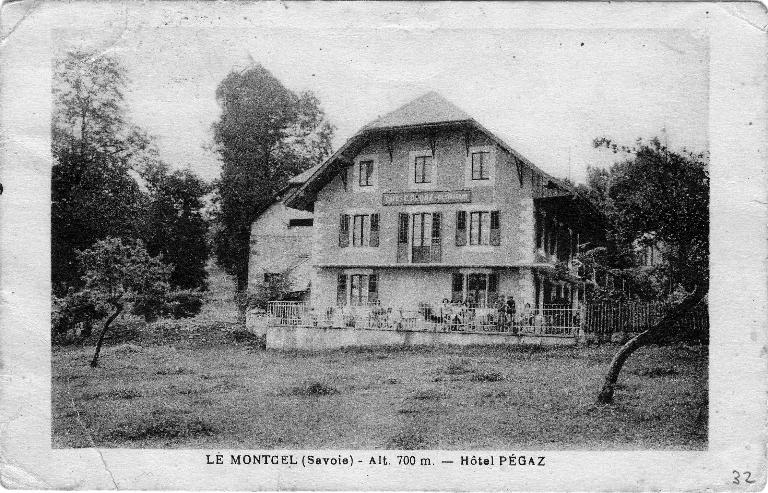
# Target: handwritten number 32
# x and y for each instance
(747, 477)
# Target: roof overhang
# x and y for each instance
(576, 210)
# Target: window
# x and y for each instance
(425, 237)
(358, 292)
(480, 165)
(479, 230)
(361, 288)
(365, 230)
(484, 228)
(297, 223)
(360, 225)
(422, 169)
(365, 173)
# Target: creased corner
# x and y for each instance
(34, 5)
(739, 12)
(13, 477)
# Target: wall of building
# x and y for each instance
(407, 287)
(277, 248)
(514, 202)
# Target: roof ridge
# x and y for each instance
(430, 107)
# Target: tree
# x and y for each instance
(174, 225)
(118, 272)
(266, 133)
(94, 150)
(666, 193)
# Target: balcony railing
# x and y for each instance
(553, 321)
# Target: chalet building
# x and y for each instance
(280, 245)
(425, 205)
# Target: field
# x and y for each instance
(175, 387)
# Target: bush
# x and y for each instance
(310, 389)
(160, 425)
(487, 376)
(184, 303)
(73, 316)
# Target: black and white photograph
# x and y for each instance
(424, 240)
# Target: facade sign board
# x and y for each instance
(427, 197)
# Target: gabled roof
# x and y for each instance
(431, 108)
(303, 176)
(428, 111)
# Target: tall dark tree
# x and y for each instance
(94, 149)
(174, 225)
(666, 193)
(266, 134)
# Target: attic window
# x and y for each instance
(480, 165)
(365, 173)
(295, 223)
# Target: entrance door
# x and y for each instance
(477, 289)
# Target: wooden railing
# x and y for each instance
(605, 318)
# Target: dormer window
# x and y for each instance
(481, 165)
(422, 169)
(365, 173)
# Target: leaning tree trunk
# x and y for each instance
(95, 360)
(655, 334)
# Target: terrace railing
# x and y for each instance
(556, 321)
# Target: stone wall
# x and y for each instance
(324, 338)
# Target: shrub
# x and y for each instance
(75, 311)
(314, 389)
(184, 303)
(407, 440)
(487, 376)
(163, 426)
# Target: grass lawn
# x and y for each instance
(191, 384)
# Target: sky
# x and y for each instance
(547, 92)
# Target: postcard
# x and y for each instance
(413, 246)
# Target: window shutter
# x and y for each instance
(344, 230)
(341, 290)
(461, 228)
(402, 237)
(344, 174)
(436, 247)
(373, 288)
(369, 172)
(373, 239)
(493, 289)
(539, 226)
(457, 288)
(495, 229)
